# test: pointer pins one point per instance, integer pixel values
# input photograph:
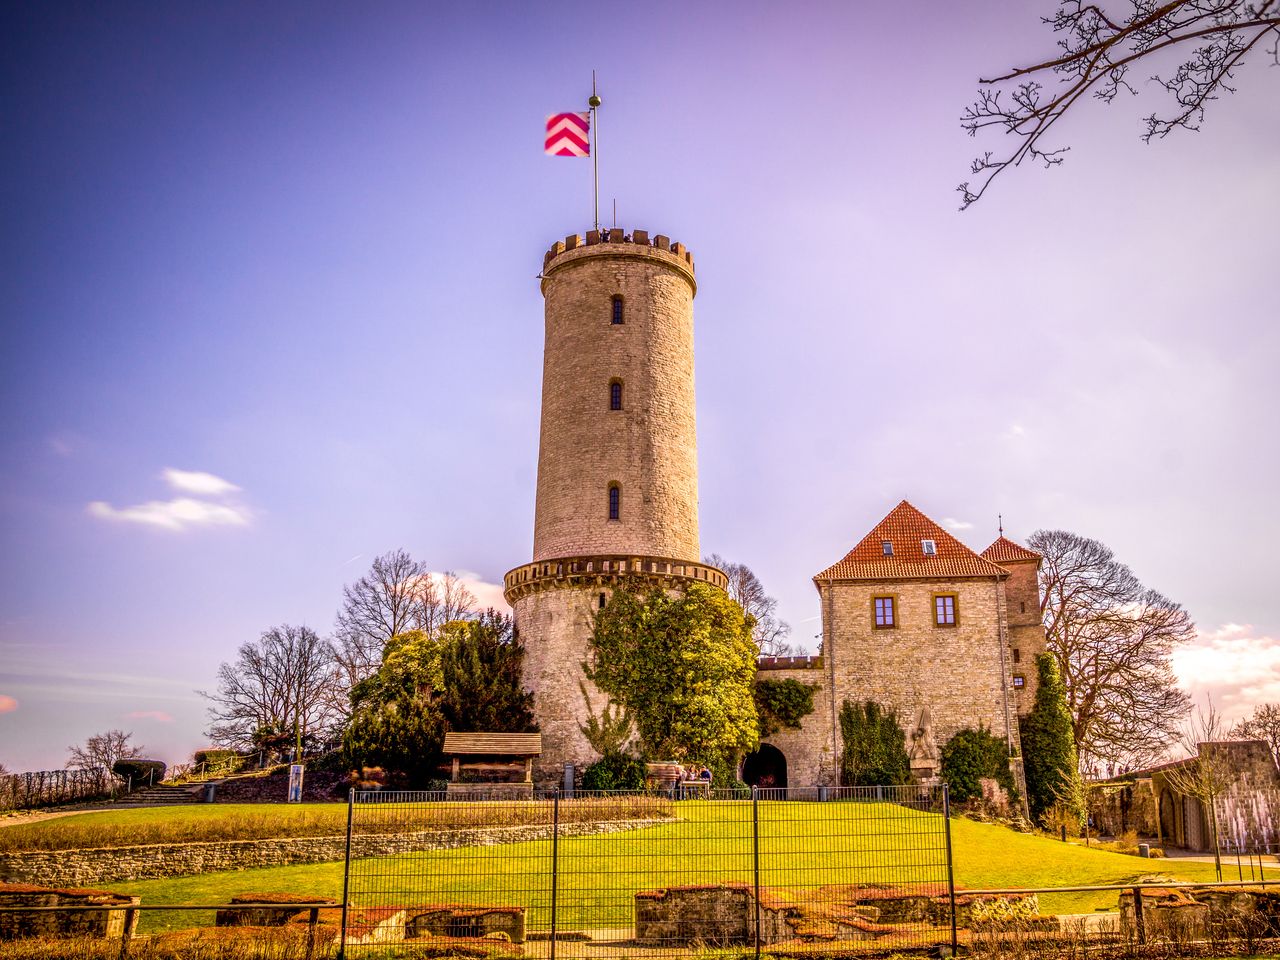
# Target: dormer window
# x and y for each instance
(887, 547)
(928, 548)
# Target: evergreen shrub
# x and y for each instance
(875, 746)
(971, 756)
(1049, 751)
(614, 771)
(142, 771)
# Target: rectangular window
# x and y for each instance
(887, 547)
(1017, 655)
(944, 610)
(1018, 681)
(885, 614)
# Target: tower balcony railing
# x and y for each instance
(601, 569)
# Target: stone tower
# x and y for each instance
(617, 461)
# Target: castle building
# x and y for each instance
(617, 492)
(912, 618)
(915, 621)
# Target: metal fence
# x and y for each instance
(600, 875)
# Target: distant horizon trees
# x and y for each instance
(1113, 638)
(291, 684)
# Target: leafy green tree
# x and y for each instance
(1049, 747)
(875, 750)
(782, 704)
(683, 666)
(480, 667)
(395, 721)
(403, 735)
(974, 755)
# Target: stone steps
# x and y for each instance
(164, 796)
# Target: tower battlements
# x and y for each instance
(617, 242)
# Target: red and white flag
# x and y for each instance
(567, 135)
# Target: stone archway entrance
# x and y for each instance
(765, 768)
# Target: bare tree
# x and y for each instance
(100, 752)
(397, 595)
(1204, 41)
(770, 633)
(1263, 724)
(283, 682)
(1205, 773)
(1113, 639)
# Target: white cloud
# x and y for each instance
(487, 594)
(1234, 665)
(951, 523)
(7, 704)
(198, 482)
(182, 513)
(157, 715)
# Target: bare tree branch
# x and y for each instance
(1113, 639)
(1099, 50)
(769, 633)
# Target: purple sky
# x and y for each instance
(277, 261)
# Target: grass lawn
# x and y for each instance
(801, 845)
(252, 821)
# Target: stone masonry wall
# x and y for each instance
(1026, 629)
(555, 628)
(156, 861)
(955, 671)
(649, 447)
(810, 760)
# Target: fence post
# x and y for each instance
(312, 919)
(555, 864)
(129, 914)
(1139, 921)
(755, 858)
(951, 873)
(346, 874)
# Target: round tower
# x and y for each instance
(617, 490)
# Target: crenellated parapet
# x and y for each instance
(607, 570)
(618, 243)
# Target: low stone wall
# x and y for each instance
(157, 861)
(724, 914)
(1226, 912)
(107, 922)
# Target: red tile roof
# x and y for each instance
(905, 527)
(1005, 550)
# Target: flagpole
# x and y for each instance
(594, 103)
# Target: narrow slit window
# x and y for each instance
(615, 502)
(602, 601)
(616, 314)
(615, 395)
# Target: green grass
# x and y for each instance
(802, 845)
(256, 821)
